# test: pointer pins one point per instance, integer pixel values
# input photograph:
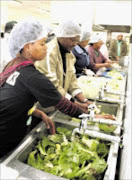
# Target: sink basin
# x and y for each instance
(18, 159)
(110, 108)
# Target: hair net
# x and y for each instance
(27, 31)
(68, 28)
(85, 35)
(95, 39)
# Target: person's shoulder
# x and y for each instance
(90, 49)
(123, 41)
(113, 40)
(28, 71)
(76, 49)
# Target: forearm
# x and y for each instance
(37, 113)
(97, 66)
(68, 107)
(108, 61)
(80, 97)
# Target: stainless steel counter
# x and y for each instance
(17, 160)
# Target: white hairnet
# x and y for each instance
(68, 28)
(26, 31)
(85, 35)
(95, 39)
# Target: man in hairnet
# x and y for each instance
(118, 48)
(59, 63)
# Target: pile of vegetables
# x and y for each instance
(115, 85)
(81, 159)
(116, 66)
(115, 75)
(91, 86)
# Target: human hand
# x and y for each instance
(117, 62)
(82, 106)
(108, 64)
(88, 103)
(106, 116)
(49, 123)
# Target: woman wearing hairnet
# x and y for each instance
(97, 60)
(82, 57)
(21, 85)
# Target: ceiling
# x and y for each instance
(117, 28)
(52, 11)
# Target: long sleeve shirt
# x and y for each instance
(95, 58)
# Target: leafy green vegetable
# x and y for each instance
(102, 150)
(65, 131)
(57, 138)
(81, 159)
(91, 143)
(99, 165)
(107, 128)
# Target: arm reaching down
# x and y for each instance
(49, 123)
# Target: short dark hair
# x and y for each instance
(9, 25)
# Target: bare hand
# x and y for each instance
(82, 106)
(88, 103)
(108, 65)
(117, 62)
(106, 116)
(49, 123)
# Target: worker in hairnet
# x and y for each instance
(97, 61)
(82, 57)
(59, 63)
(21, 85)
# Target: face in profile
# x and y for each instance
(98, 45)
(38, 49)
(70, 43)
(84, 43)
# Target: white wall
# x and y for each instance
(113, 12)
